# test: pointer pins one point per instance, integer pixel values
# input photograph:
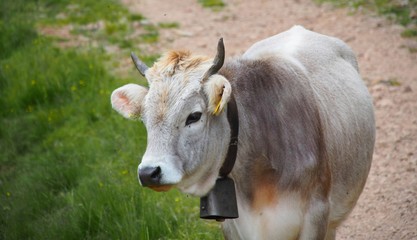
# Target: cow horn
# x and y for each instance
(218, 60)
(142, 68)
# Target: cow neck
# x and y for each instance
(233, 119)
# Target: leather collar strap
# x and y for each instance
(233, 119)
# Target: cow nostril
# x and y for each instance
(150, 176)
(156, 174)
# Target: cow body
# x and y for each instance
(306, 132)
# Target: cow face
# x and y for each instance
(188, 132)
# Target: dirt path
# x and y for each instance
(387, 208)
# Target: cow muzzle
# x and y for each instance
(152, 177)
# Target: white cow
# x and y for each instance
(306, 131)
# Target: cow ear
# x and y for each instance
(128, 100)
(218, 90)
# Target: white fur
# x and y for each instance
(284, 45)
(282, 221)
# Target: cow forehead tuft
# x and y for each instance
(174, 77)
(177, 63)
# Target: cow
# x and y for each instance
(306, 131)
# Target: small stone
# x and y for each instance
(407, 89)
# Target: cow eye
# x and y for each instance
(192, 118)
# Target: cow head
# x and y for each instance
(188, 132)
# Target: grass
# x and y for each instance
(168, 25)
(213, 4)
(80, 11)
(67, 161)
(402, 12)
(106, 22)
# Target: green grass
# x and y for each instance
(67, 160)
(168, 25)
(402, 12)
(80, 11)
(152, 34)
(213, 4)
(106, 22)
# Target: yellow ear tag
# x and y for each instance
(216, 111)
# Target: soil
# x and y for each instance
(387, 208)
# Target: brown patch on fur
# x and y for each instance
(264, 195)
(264, 186)
(175, 57)
(162, 104)
(162, 188)
(219, 94)
(214, 90)
(325, 176)
(175, 61)
(195, 61)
